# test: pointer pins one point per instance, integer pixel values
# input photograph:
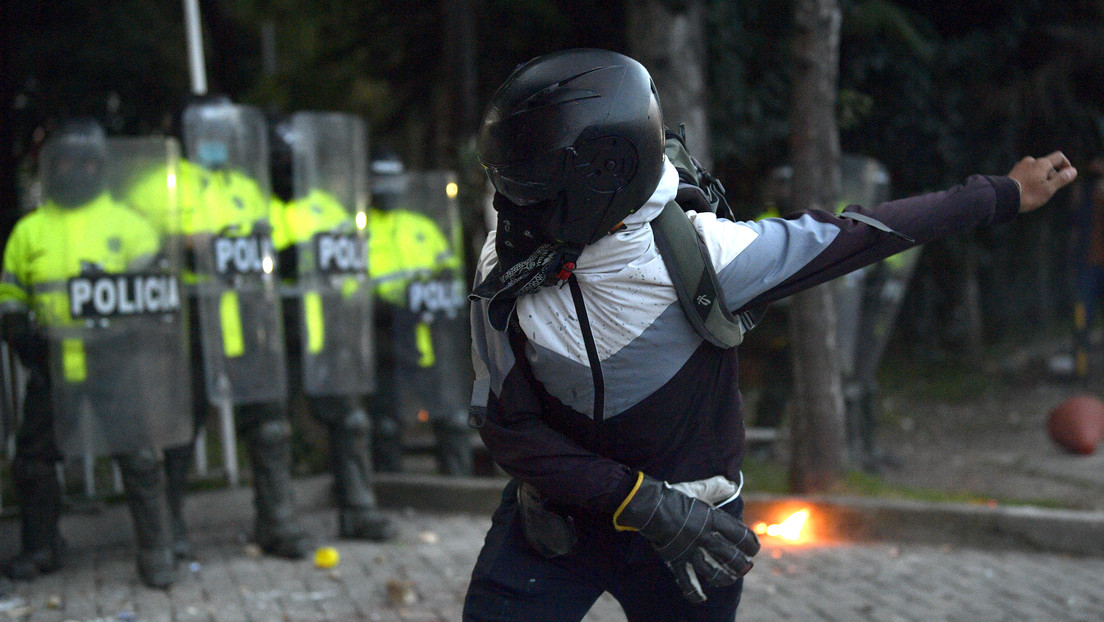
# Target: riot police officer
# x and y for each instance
(65, 280)
(319, 163)
(238, 354)
(420, 312)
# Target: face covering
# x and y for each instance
(527, 259)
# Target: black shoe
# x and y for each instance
(288, 540)
(28, 566)
(156, 568)
(361, 524)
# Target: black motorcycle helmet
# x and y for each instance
(578, 135)
(74, 163)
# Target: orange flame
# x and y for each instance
(789, 529)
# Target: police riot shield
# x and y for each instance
(326, 219)
(868, 299)
(236, 290)
(117, 333)
(415, 261)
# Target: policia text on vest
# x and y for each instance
(110, 295)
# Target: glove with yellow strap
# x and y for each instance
(696, 540)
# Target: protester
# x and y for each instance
(621, 425)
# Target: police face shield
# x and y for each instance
(222, 135)
(332, 301)
(74, 170)
(236, 289)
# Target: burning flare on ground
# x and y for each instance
(789, 529)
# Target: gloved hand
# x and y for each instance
(716, 491)
(696, 540)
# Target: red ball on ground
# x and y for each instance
(1077, 424)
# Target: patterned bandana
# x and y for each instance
(527, 260)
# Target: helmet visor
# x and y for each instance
(529, 182)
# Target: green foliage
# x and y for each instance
(771, 477)
(949, 380)
(749, 75)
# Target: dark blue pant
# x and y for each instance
(511, 581)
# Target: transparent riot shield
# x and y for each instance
(867, 301)
(327, 219)
(116, 326)
(416, 264)
(230, 234)
(864, 182)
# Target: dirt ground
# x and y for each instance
(990, 440)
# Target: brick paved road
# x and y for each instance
(431, 561)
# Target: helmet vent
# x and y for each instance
(561, 93)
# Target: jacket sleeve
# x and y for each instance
(507, 407)
(531, 451)
(760, 262)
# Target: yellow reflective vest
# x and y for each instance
(53, 244)
(403, 246)
(201, 204)
(296, 223)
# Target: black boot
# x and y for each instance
(40, 512)
(351, 463)
(144, 484)
(454, 448)
(176, 487)
(270, 453)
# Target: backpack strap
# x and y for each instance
(699, 291)
(698, 189)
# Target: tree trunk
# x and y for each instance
(818, 434)
(669, 39)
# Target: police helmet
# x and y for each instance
(389, 180)
(579, 135)
(215, 132)
(73, 163)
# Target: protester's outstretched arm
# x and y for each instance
(785, 256)
(1040, 178)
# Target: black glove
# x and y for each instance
(697, 540)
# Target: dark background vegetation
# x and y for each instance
(935, 91)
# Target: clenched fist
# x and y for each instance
(1040, 178)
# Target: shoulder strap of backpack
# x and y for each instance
(698, 189)
(699, 291)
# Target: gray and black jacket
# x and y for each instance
(576, 412)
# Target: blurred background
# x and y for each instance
(928, 92)
(933, 91)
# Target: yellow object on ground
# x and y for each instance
(326, 557)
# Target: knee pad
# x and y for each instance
(273, 431)
(143, 465)
(356, 423)
(387, 428)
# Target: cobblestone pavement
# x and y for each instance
(422, 577)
